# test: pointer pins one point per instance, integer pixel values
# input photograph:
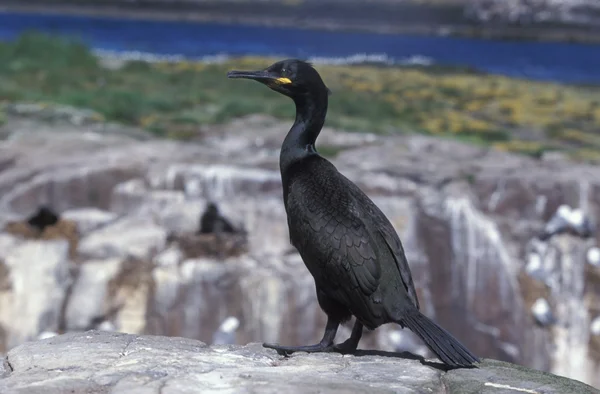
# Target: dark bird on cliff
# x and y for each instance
(345, 241)
(44, 217)
(212, 221)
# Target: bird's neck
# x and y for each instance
(300, 140)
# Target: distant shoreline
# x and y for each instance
(278, 15)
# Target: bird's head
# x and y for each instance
(292, 77)
(212, 208)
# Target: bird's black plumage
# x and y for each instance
(44, 217)
(348, 245)
(212, 221)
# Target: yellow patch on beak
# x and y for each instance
(283, 81)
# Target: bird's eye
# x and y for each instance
(284, 71)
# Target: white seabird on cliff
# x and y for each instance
(593, 256)
(225, 334)
(542, 313)
(568, 220)
(595, 326)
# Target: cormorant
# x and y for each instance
(43, 218)
(212, 221)
(345, 241)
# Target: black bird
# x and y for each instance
(44, 217)
(212, 221)
(346, 242)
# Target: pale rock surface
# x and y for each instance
(580, 12)
(92, 284)
(96, 362)
(35, 292)
(89, 219)
(138, 237)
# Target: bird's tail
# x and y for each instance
(440, 341)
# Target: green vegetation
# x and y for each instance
(174, 99)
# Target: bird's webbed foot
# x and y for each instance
(351, 344)
(287, 350)
(346, 347)
(326, 344)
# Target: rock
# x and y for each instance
(98, 362)
(192, 298)
(38, 279)
(4, 369)
(130, 292)
(579, 12)
(169, 257)
(180, 218)
(89, 219)
(62, 229)
(76, 167)
(137, 237)
(212, 245)
(89, 295)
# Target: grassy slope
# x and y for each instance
(174, 99)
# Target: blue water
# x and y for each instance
(545, 61)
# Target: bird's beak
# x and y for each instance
(261, 76)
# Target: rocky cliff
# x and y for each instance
(568, 12)
(117, 258)
(573, 12)
(95, 362)
(554, 20)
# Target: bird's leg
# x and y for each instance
(350, 344)
(326, 344)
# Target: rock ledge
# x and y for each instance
(104, 362)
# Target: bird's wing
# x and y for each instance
(395, 246)
(333, 239)
(390, 237)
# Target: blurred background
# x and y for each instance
(140, 188)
